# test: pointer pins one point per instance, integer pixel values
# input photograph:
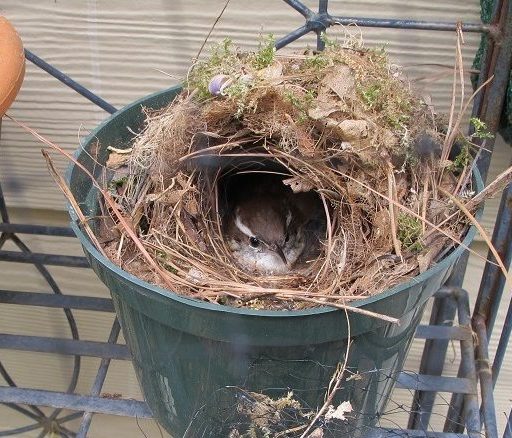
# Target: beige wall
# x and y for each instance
(114, 48)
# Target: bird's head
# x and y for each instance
(263, 225)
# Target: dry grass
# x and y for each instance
(342, 123)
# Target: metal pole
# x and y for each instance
(493, 280)
(44, 259)
(499, 58)
(322, 12)
(502, 345)
(508, 427)
(300, 7)
(432, 363)
(292, 36)
(42, 230)
(489, 298)
(409, 24)
(464, 409)
(468, 367)
(65, 79)
(98, 382)
(485, 376)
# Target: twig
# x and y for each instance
(456, 128)
(499, 184)
(120, 246)
(467, 172)
(200, 153)
(481, 230)
(108, 199)
(337, 378)
(413, 213)
(329, 241)
(291, 430)
(450, 136)
(299, 296)
(460, 62)
(424, 202)
(348, 308)
(291, 294)
(444, 153)
(453, 130)
(211, 29)
(57, 177)
(392, 212)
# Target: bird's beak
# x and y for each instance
(280, 253)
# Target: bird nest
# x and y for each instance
(339, 135)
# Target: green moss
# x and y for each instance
(409, 231)
(398, 119)
(223, 59)
(161, 256)
(404, 104)
(379, 57)
(463, 158)
(238, 92)
(371, 95)
(393, 106)
(265, 54)
(301, 103)
(171, 269)
(481, 130)
(381, 92)
(115, 184)
(329, 43)
(316, 62)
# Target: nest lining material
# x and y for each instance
(343, 124)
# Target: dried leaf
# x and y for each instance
(117, 160)
(322, 110)
(348, 129)
(272, 73)
(341, 81)
(192, 206)
(172, 197)
(317, 433)
(298, 185)
(195, 276)
(127, 151)
(339, 412)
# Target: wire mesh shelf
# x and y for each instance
(86, 405)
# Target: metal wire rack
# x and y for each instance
(465, 417)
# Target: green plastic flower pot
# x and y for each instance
(196, 360)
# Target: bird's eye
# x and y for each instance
(254, 241)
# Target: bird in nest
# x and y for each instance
(269, 228)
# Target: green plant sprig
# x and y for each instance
(265, 54)
(409, 232)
